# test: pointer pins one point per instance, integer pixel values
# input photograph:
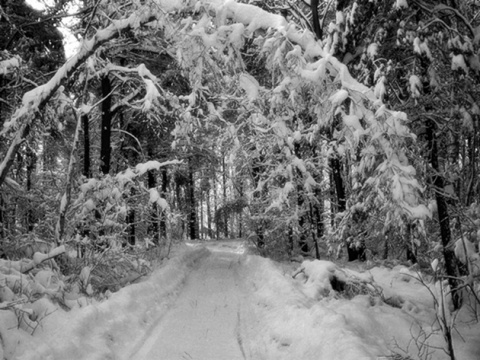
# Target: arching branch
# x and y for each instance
(36, 99)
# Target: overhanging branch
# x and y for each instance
(36, 99)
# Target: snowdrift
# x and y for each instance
(314, 316)
(318, 311)
(103, 330)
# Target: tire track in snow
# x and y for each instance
(204, 322)
(238, 335)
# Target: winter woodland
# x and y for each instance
(317, 161)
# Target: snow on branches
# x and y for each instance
(368, 124)
(309, 90)
(306, 79)
(109, 196)
(10, 65)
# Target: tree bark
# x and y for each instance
(209, 214)
(257, 195)
(224, 183)
(131, 231)
(153, 228)
(318, 208)
(65, 202)
(317, 216)
(315, 20)
(215, 204)
(17, 141)
(106, 131)
(438, 183)
(193, 214)
(87, 172)
(473, 161)
(335, 167)
(31, 165)
(3, 217)
(313, 231)
(291, 240)
(240, 215)
(409, 246)
(302, 240)
(163, 221)
(200, 210)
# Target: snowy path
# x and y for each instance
(204, 322)
(222, 305)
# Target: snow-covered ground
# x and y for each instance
(203, 323)
(213, 301)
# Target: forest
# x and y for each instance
(345, 130)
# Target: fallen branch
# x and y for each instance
(12, 304)
(300, 270)
(39, 258)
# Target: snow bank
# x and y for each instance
(109, 330)
(293, 325)
(306, 319)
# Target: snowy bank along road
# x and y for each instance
(211, 301)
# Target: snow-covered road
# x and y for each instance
(204, 321)
(210, 301)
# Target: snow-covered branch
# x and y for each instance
(34, 100)
(38, 258)
(10, 65)
(255, 18)
(65, 202)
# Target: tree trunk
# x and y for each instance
(9, 158)
(411, 252)
(163, 220)
(153, 229)
(257, 195)
(200, 209)
(318, 213)
(193, 214)
(225, 213)
(333, 200)
(313, 231)
(302, 241)
(438, 184)
(106, 132)
(179, 203)
(65, 202)
(31, 165)
(3, 218)
(473, 161)
(385, 248)
(131, 224)
(209, 215)
(215, 205)
(87, 172)
(240, 214)
(291, 240)
(335, 167)
(315, 20)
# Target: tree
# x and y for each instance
(420, 58)
(297, 113)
